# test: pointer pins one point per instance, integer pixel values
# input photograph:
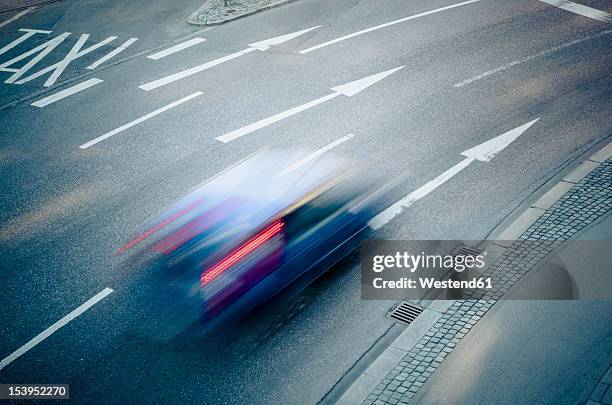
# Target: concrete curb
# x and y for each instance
(192, 17)
(554, 193)
(389, 358)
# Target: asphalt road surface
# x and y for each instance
(79, 175)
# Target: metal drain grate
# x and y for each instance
(466, 251)
(405, 313)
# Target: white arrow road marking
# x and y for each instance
(112, 53)
(59, 67)
(315, 155)
(28, 34)
(139, 120)
(349, 90)
(176, 48)
(483, 152)
(388, 24)
(16, 16)
(55, 327)
(487, 150)
(256, 46)
(66, 92)
(580, 9)
(528, 58)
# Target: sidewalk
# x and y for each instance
(479, 371)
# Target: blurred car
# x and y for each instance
(274, 220)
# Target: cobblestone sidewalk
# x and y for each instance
(587, 201)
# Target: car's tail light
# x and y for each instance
(244, 250)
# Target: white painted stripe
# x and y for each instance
(315, 155)
(176, 48)
(112, 53)
(580, 9)
(528, 58)
(233, 135)
(388, 24)
(192, 71)
(16, 16)
(66, 92)
(139, 120)
(394, 210)
(28, 34)
(55, 327)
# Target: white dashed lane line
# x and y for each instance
(176, 48)
(528, 58)
(66, 92)
(55, 327)
(139, 120)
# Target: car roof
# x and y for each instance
(243, 198)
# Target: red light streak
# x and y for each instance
(241, 252)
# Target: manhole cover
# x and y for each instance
(405, 313)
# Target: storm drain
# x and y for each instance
(466, 251)
(405, 313)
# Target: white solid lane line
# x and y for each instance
(66, 92)
(315, 155)
(580, 9)
(348, 90)
(139, 120)
(55, 327)
(176, 48)
(112, 53)
(16, 16)
(528, 58)
(388, 24)
(483, 153)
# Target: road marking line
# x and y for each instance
(176, 48)
(66, 92)
(483, 152)
(28, 34)
(394, 210)
(315, 155)
(139, 120)
(259, 46)
(388, 24)
(191, 71)
(348, 90)
(528, 58)
(580, 9)
(230, 136)
(112, 53)
(42, 50)
(16, 16)
(74, 53)
(55, 327)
